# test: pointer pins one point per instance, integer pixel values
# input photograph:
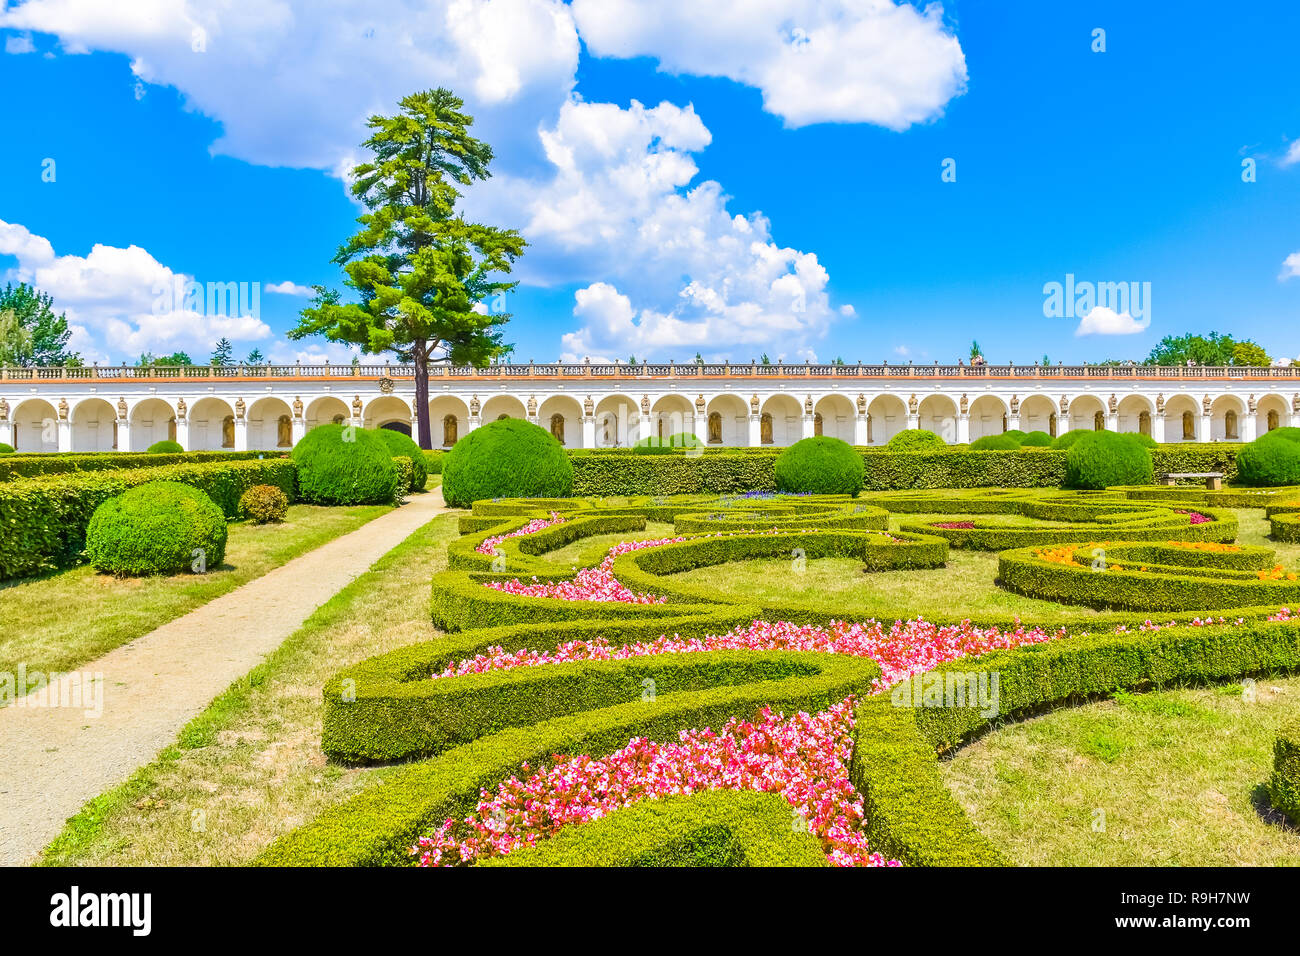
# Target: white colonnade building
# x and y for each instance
(591, 405)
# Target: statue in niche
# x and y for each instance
(862, 404)
(753, 404)
(532, 406)
(240, 407)
(181, 408)
(283, 432)
(765, 429)
(715, 428)
(297, 406)
(965, 403)
(1015, 405)
(588, 407)
(474, 406)
(228, 432)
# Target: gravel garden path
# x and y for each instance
(55, 758)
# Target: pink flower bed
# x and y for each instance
(903, 649)
(1195, 516)
(802, 758)
(962, 525)
(589, 584)
(537, 524)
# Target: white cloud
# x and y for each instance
(620, 204)
(1105, 321)
(1292, 154)
(121, 302)
(19, 43)
(290, 288)
(1290, 267)
(815, 61)
(292, 81)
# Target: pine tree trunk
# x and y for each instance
(425, 436)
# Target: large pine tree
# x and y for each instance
(422, 273)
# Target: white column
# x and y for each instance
(1248, 425)
(7, 432)
(913, 421)
(1112, 421)
(589, 431)
(860, 430)
(963, 429)
(241, 434)
(182, 433)
(124, 435)
(1062, 424)
(1013, 423)
(1204, 435)
(299, 429)
(1158, 428)
(474, 422)
(65, 435)
(1293, 419)
(809, 426)
(755, 431)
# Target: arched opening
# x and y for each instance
(833, 417)
(672, 415)
(1273, 419)
(153, 420)
(228, 432)
(728, 421)
(562, 417)
(94, 426)
(1270, 413)
(388, 411)
(887, 416)
(617, 419)
(1189, 426)
(448, 418)
(938, 414)
(786, 420)
(715, 428)
(326, 410)
(270, 424)
(35, 426)
(1225, 418)
(988, 416)
(1230, 426)
(1036, 414)
(1098, 422)
(503, 406)
(1144, 423)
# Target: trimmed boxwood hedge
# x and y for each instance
(1285, 527)
(914, 440)
(714, 828)
(45, 519)
(1284, 785)
(344, 465)
(1149, 579)
(821, 466)
(506, 458)
(158, 528)
(1103, 459)
(1271, 460)
(165, 447)
(403, 446)
(39, 465)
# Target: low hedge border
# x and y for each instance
(45, 519)
(1090, 521)
(1284, 785)
(1225, 498)
(913, 817)
(379, 825)
(40, 465)
(714, 828)
(1164, 586)
(1285, 527)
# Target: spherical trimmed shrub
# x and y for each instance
(162, 527)
(915, 440)
(344, 465)
(508, 458)
(1103, 459)
(821, 465)
(1146, 441)
(1036, 440)
(400, 445)
(1015, 433)
(1066, 440)
(165, 447)
(6, 449)
(1285, 432)
(1269, 462)
(1003, 442)
(264, 504)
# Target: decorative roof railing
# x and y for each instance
(643, 370)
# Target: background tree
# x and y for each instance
(44, 337)
(425, 277)
(1214, 349)
(15, 339)
(176, 358)
(223, 353)
(255, 357)
(975, 351)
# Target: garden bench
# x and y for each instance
(1213, 479)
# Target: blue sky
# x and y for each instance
(222, 164)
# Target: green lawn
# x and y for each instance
(250, 767)
(1170, 778)
(62, 620)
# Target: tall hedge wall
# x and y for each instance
(44, 519)
(605, 473)
(38, 465)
